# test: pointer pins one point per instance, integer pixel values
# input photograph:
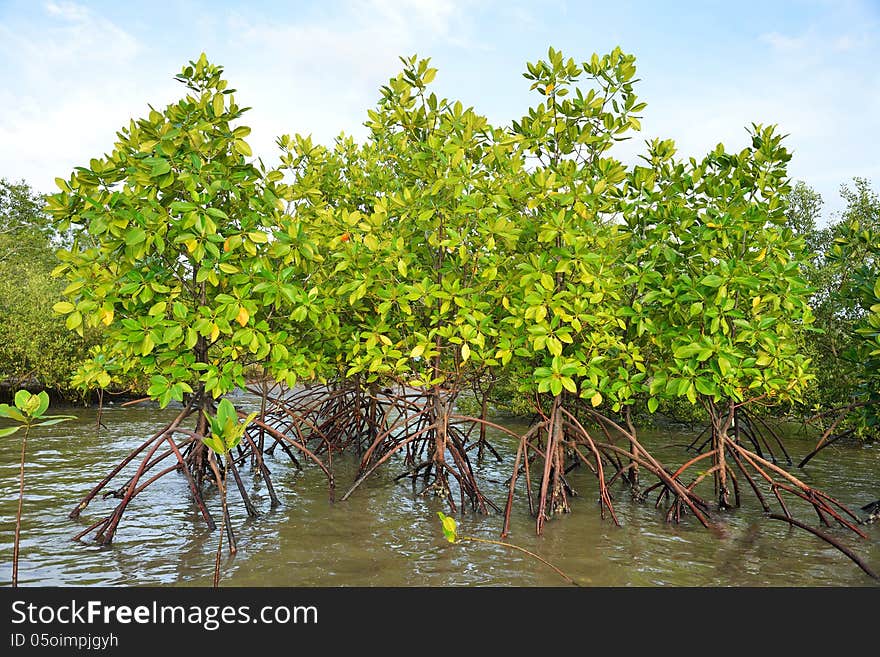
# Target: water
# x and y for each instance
(386, 536)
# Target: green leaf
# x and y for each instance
(215, 444)
(704, 387)
(12, 413)
(55, 420)
(135, 236)
(8, 431)
(233, 442)
(43, 396)
(182, 206)
(241, 146)
(63, 307)
(225, 414)
(161, 166)
(704, 355)
(687, 351)
(658, 383)
(653, 403)
(73, 320)
(449, 527)
(22, 400)
(712, 281)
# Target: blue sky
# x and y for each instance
(74, 72)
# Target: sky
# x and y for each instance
(73, 73)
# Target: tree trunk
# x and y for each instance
(438, 456)
(721, 423)
(558, 498)
(634, 452)
(553, 499)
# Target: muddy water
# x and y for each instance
(384, 535)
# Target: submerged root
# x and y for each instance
(434, 447)
(175, 449)
(561, 436)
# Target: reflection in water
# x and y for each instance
(386, 536)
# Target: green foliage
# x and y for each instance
(413, 225)
(29, 411)
(26, 233)
(721, 295)
(442, 249)
(856, 254)
(842, 273)
(174, 229)
(35, 346)
(565, 304)
(226, 430)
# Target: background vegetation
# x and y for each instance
(36, 348)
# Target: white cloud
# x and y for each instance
(69, 88)
(73, 75)
(79, 76)
(783, 42)
(68, 10)
(325, 74)
(75, 36)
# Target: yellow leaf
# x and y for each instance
(596, 399)
(243, 316)
(465, 352)
(449, 527)
(215, 332)
(417, 351)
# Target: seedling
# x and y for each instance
(29, 411)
